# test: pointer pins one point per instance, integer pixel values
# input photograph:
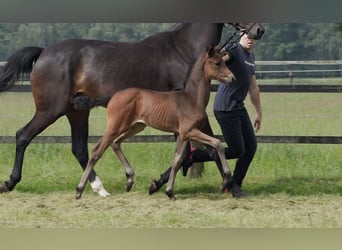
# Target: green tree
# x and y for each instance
(6, 38)
(124, 32)
(282, 41)
(300, 41)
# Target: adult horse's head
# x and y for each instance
(253, 30)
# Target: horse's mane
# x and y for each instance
(166, 34)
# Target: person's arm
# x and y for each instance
(224, 54)
(254, 94)
(227, 53)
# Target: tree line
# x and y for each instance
(282, 41)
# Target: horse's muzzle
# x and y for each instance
(229, 80)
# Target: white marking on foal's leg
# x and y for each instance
(98, 187)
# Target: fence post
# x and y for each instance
(290, 74)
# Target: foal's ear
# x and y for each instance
(211, 50)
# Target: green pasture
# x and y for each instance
(289, 185)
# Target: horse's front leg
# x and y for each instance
(226, 172)
(96, 154)
(128, 169)
(176, 164)
(212, 151)
(79, 123)
(199, 136)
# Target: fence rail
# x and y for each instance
(285, 69)
(300, 88)
(289, 71)
(171, 138)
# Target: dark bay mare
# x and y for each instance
(68, 72)
(181, 112)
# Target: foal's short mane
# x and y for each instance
(197, 61)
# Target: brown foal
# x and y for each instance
(182, 112)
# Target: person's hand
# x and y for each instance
(257, 123)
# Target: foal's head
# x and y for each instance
(215, 67)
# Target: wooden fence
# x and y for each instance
(288, 88)
(170, 138)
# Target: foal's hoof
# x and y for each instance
(79, 192)
(129, 185)
(226, 184)
(171, 195)
(129, 181)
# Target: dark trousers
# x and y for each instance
(238, 133)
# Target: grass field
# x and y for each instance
(289, 185)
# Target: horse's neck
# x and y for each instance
(192, 39)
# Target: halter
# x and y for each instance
(238, 30)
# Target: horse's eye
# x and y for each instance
(217, 63)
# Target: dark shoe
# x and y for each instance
(237, 192)
(188, 161)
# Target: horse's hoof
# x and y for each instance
(129, 185)
(226, 183)
(225, 190)
(153, 187)
(79, 192)
(4, 187)
(103, 193)
(171, 195)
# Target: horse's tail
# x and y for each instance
(21, 62)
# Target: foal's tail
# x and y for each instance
(21, 62)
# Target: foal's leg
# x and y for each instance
(199, 136)
(212, 151)
(128, 169)
(157, 184)
(79, 122)
(175, 166)
(97, 153)
(116, 146)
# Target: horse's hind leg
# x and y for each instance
(128, 169)
(96, 154)
(24, 136)
(79, 123)
(212, 151)
(116, 146)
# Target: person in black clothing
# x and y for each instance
(231, 114)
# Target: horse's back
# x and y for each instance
(96, 68)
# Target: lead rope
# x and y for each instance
(242, 31)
